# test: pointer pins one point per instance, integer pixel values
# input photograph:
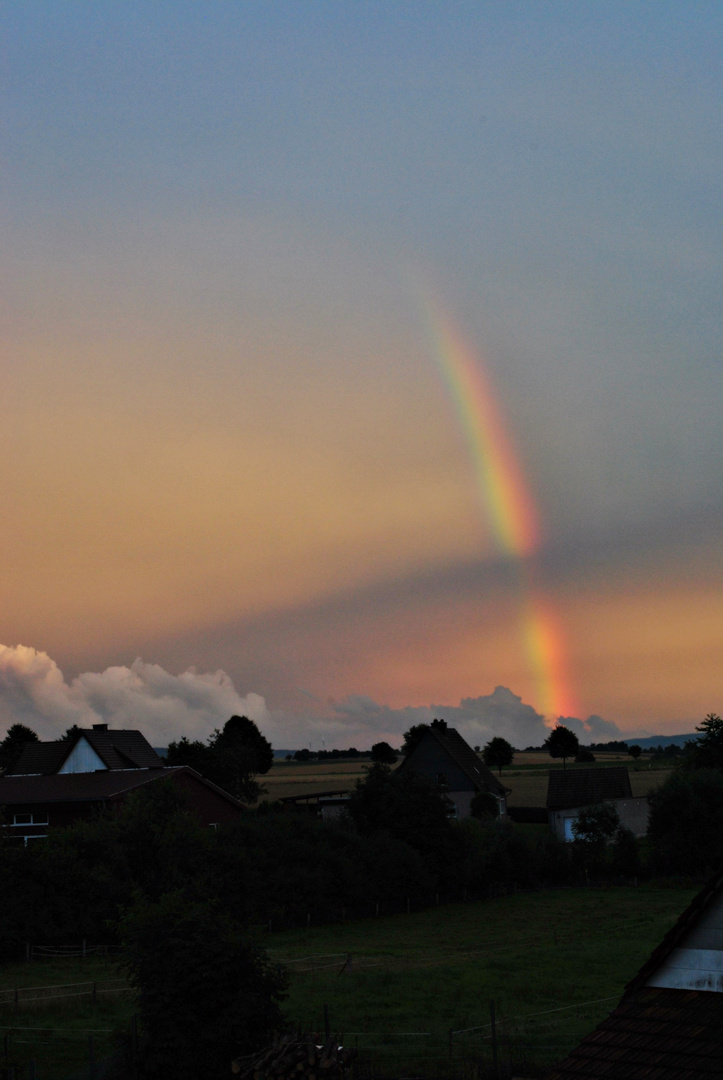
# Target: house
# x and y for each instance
(88, 750)
(444, 756)
(569, 790)
(669, 1024)
(31, 804)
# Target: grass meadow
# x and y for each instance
(554, 962)
(413, 992)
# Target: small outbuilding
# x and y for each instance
(570, 790)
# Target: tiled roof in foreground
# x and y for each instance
(654, 1034)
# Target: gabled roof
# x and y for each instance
(654, 1034)
(117, 749)
(91, 787)
(464, 756)
(699, 930)
(567, 788)
(39, 757)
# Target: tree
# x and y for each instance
(205, 994)
(635, 751)
(231, 758)
(484, 806)
(498, 753)
(410, 807)
(708, 750)
(412, 737)
(562, 743)
(596, 825)
(384, 753)
(17, 737)
(686, 822)
(242, 738)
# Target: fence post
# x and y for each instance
(495, 1063)
(134, 1046)
(450, 1042)
(95, 994)
(326, 1023)
(91, 1057)
(15, 1000)
(32, 1070)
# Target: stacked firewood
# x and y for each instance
(297, 1057)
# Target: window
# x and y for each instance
(37, 817)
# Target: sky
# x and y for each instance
(361, 364)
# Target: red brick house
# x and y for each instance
(31, 804)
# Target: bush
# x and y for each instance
(686, 823)
(205, 995)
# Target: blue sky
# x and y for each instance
(221, 414)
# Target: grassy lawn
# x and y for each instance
(414, 978)
(56, 1031)
(555, 963)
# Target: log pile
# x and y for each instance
(295, 1057)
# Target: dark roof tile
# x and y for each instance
(567, 788)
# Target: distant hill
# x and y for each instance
(663, 740)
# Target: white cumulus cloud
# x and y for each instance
(163, 706)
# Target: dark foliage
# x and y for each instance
(205, 994)
(412, 737)
(498, 753)
(584, 757)
(635, 751)
(686, 822)
(562, 743)
(17, 737)
(231, 758)
(384, 754)
(410, 808)
(707, 752)
(484, 806)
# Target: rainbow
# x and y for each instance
(509, 509)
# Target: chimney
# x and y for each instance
(100, 727)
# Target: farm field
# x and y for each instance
(555, 963)
(527, 776)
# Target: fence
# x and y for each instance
(501, 1047)
(42, 996)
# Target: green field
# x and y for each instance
(554, 962)
(58, 1022)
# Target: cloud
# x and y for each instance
(164, 706)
